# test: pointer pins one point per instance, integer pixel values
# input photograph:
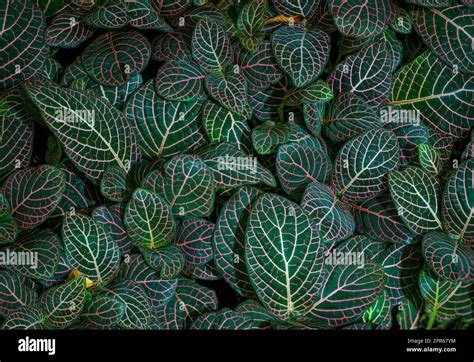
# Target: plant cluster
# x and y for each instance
(258, 164)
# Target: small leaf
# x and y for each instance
(149, 220)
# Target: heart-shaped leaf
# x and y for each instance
(230, 91)
(187, 186)
(33, 193)
(68, 30)
(366, 73)
(124, 52)
(327, 214)
(82, 125)
(250, 23)
(149, 220)
(416, 196)
(63, 304)
(377, 217)
(362, 165)
(349, 115)
(44, 246)
(180, 81)
(363, 19)
(223, 126)
(446, 258)
(90, 248)
(211, 46)
(283, 255)
(301, 53)
(267, 137)
(176, 130)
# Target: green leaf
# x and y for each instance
(250, 23)
(232, 168)
(124, 52)
(428, 157)
(267, 137)
(283, 255)
(315, 92)
(24, 318)
(168, 261)
(403, 22)
(211, 46)
(362, 164)
(223, 126)
(259, 317)
(416, 196)
(180, 81)
(68, 30)
(410, 310)
(24, 50)
(82, 124)
(63, 304)
(187, 185)
(194, 237)
(299, 164)
(33, 193)
(378, 218)
(229, 240)
(158, 290)
(103, 311)
(444, 300)
(15, 292)
(362, 19)
(441, 95)
(16, 132)
(136, 306)
(458, 203)
(189, 301)
(349, 115)
(327, 213)
(402, 264)
(446, 258)
(149, 220)
(175, 130)
(301, 53)
(223, 319)
(346, 291)
(379, 313)
(305, 8)
(231, 92)
(448, 33)
(116, 184)
(90, 248)
(45, 246)
(366, 73)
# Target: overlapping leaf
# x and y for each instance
(362, 165)
(301, 53)
(283, 255)
(81, 123)
(90, 248)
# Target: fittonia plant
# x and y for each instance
(310, 162)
